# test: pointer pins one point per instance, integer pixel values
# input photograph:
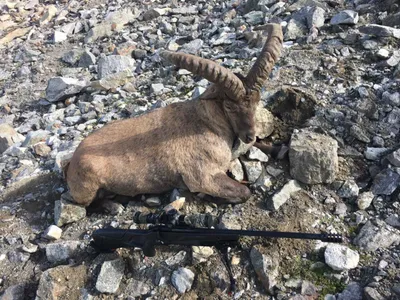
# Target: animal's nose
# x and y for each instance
(249, 137)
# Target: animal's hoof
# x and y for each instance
(222, 201)
(113, 208)
(250, 199)
(239, 200)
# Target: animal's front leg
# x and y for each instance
(221, 189)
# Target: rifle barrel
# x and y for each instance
(324, 237)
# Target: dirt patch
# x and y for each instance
(297, 215)
(292, 107)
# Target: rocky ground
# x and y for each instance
(69, 67)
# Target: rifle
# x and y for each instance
(172, 228)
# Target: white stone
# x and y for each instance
(182, 280)
(113, 64)
(266, 268)
(330, 200)
(394, 60)
(256, 154)
(236, 170)
(153, 201)
(201, 253)
(340, 257)
(265, 122)
(284, 194)
(59, 37)
(157, 88)
(383, 264)
(176, 259)
(364, 200)
(53, 232)
(66, 212)
(383, 53)
(376, 236)
(348, 189)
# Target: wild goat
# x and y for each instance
(183, 145)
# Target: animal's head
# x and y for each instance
(239, 94)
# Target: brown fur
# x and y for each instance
(184, 145)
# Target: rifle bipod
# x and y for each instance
(223, 251)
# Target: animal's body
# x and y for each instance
(183, 145)
(184, 138)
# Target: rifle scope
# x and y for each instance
(172, 217)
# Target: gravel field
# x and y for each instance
(330, 111)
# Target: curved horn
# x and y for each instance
(232, 85)
(269, 55)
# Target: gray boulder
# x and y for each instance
(66, 212)
(114, 64)
(349, 17)
(61, 88)
(8, 137)
(266, 267)
(372, 237)
(110, 276)
(380, 30)
(352, 292)
(313, 157)
(14, 292)
(385, 183)
(60, 252)
(182, 280)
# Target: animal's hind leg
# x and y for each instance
(83, 193)
(82, 181)
(223, 189)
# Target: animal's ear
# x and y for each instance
(211, 93)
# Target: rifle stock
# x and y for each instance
(110, 239)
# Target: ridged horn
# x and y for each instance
(227, 80)
(266, 60)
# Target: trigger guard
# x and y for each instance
(149, 250)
